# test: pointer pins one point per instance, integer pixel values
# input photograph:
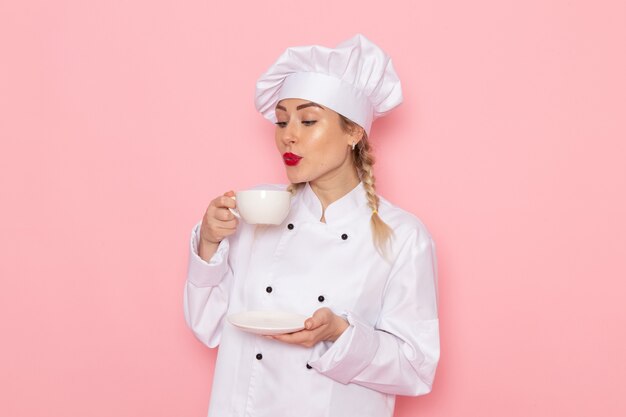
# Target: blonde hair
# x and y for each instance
(364, 162)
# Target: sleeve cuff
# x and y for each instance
(350, 353)
(202, 273)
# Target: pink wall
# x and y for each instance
(119, 121)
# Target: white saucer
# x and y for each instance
(268, 322)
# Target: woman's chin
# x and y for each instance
(294, 178)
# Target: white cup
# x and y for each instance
(262, 206)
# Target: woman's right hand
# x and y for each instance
(218, 222)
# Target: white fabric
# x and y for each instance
(356, 79)
(391, 346)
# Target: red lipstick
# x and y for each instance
(291, 159)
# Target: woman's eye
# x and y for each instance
(308, 122)
(281, 124)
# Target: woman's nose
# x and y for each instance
(289, 134)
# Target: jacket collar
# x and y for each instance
(346, 208)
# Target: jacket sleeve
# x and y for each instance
(400, 353)
(207, 290)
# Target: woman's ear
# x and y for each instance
(357, 134)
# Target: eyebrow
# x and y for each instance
(300, 107)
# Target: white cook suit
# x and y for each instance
(391, 346)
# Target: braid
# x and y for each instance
(364, 161)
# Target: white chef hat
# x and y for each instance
(355, 79)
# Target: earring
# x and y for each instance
(353, 145)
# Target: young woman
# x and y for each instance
(363, 270)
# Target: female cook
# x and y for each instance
(363, 270)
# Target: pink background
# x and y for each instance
(121, 120)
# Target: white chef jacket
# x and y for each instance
(390, 347)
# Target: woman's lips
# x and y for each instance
(291, 159)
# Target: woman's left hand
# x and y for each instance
(323, 325)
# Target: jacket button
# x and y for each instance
(259, 356)
(308, 366)
(290, 226)
(321, 298)
(268, 289)
(344, 236)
